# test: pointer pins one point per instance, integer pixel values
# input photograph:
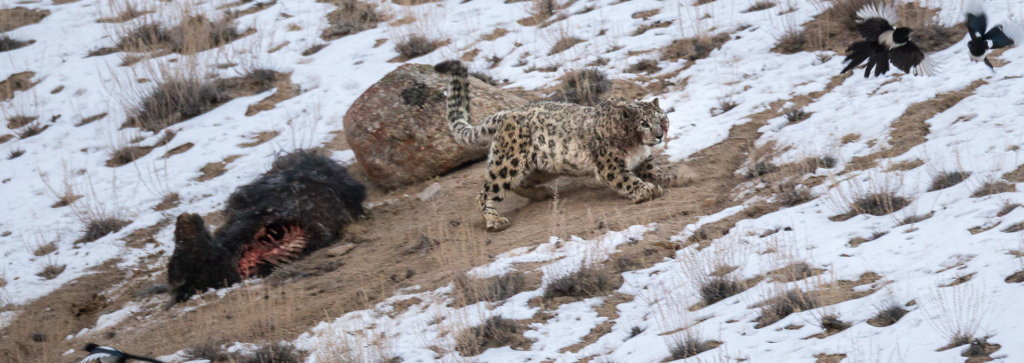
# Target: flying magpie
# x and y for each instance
(101, 354)
(1000, 36)
(884, 43)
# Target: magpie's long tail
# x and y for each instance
(856, 54)
(144, 359)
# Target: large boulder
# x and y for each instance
(398, 128)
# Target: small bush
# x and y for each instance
(693, 49)
(644, 66)
(495, 332)
(350, 17)
(634, 331)
(994, 187)
(760, 5)
(14, 153)
(30, 130)
(948, 179)
(194, 34)
(794, 116)
(761, 168)
(17, 121)
(127, 154)
(468, 290)
(415, 45)
(888, 314)
(209, 350)
(916, 218)
(832, 324)
(541, 10)
(584, 86)
(783, 305)
(719, 288)
(725, 104)
(586, 282)
(563, 44)
(690, 345)
(878, 204)
(97, 228)
(8, 43)
(51, 270)
(792, 194)
(176, 100)
(275, 353)
(792, 40)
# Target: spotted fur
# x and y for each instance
(535, 143)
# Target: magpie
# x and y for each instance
(1000, 36)
(884, 43)
(101, 354)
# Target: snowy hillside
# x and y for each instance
(843, 196)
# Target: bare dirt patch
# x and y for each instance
(285, 90)
(261, 137)
(213, 170)
(16, 82)
(911, 128)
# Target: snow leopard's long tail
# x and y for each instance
(459, 117)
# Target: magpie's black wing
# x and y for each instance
(856, 53)
(1005, 35)
(910, 59)
(875, 20)
(882, 64)
(976, 20)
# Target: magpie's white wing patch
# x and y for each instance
(884, 11)
(927, 67)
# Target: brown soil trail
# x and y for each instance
(403, 242)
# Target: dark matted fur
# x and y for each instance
(302, 188)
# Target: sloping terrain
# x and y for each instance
(819, 217)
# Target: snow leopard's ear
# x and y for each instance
(655, 102)
(628, 111)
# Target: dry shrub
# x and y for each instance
(541, 10)
(794, 116)
(832, 324)
(827, 162)
(14, 153)
(495, 332)
(694, 48)
(7, 43)
(468, 290)
(889, 312)
(791, 194)
(657, 24)
(275, 353)
(583, 86)
(690, 344)
(17, 121)
(209, 350)
(948, 179)
(195, 33)
(31, 130)
(725, 104)
(760, 5)
(182, 96)
(760, 168)
(51, 269)
(588, 281)
(878, 204)
(415, 45)
(644, 66)
(916, 218)
(792, 40)
(123, 10)
(350, 17)
(784, 304)
(563, 44)
(994, 187)
(929, 32)
(719, 288)
(98, 228)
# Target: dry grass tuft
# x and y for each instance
(791, 194)
(7, 43)
(916, 218)
(948, 179)
(209, 350)
(827, 162)
(17, 121)
(181, 97)
(98, 228)
(690, 344)
(14, 153)
(693, 49)
(31, 130)
(725, 104)
(831, 324)
(792, 40)
(644, 66)
(275, 353)
(563, 44)
(51, 269)
(468, 290)
(588, 281)
(761, 168)
(350, 17)
(994, 187)
(495, 332)
(415, 45)
(14, 18)
(888, 314)
(719, 288)
(192, 35)
(878, 204)
(760, 5)
(784, 304)
(583, 86)
(124, 11)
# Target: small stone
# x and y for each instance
(340, 250)
(429, 192)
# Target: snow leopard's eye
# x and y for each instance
(645, 124)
